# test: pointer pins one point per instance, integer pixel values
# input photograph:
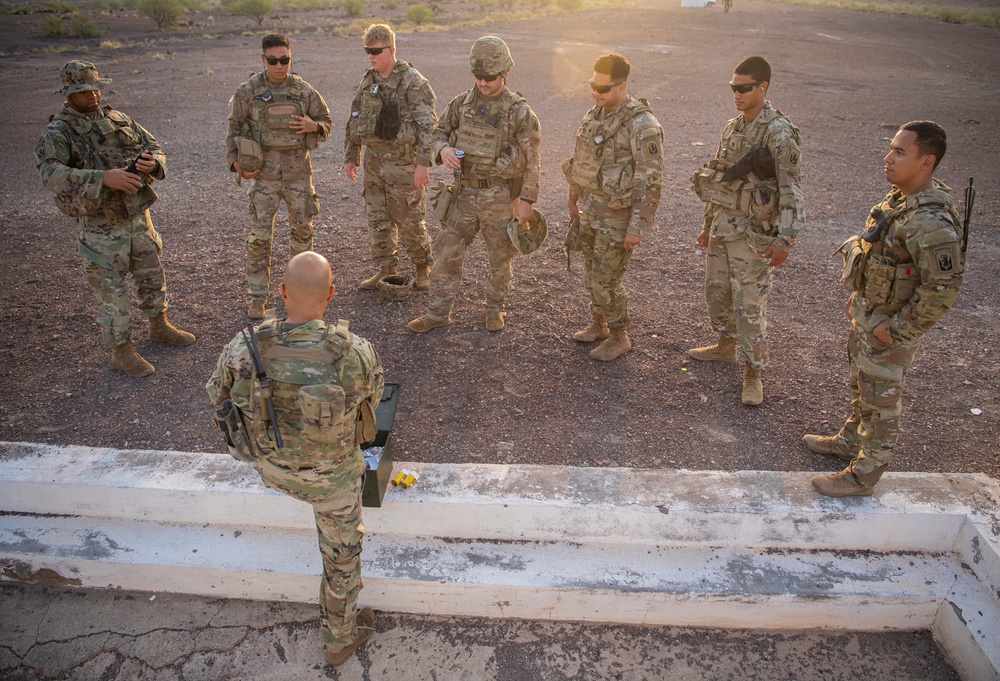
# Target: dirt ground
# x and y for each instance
(528, 394)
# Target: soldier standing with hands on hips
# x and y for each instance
(100, 165)
(753, 212)
(275, 119)
(617, 172)
(904, 273)
(499, 135)
(393, 118)
(303, 431)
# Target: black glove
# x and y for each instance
(387, 125)
(759, 162)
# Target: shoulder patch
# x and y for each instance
(945, 259)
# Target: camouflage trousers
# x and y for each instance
(395, 211)
(877, 376)
(111, 250)
(605, 259)
(340, 530)
(487, 210)
(737, 282)
(265, 197)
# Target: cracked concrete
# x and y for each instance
(79, 634)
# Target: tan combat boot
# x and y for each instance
(753, 389)
(494, 320)
(371, 283)
(615, 346)
(256, 309)
(423, 281)
(847, 483)
(722, 351)
(165, 332)
(366, 627)
(831, 445)
(596, 330)
(126, 358)
(426, 323)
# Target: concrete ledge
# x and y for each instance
(745, 549)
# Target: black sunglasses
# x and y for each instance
(744, 88)
(603, 89)
(278, 60)
(486, 77)
(376, 50)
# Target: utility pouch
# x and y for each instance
(442, 200)
(230, 422)
(854, 255)
(879, 276)
(322, 408)
(366, 429)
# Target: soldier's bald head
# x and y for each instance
(308, 278)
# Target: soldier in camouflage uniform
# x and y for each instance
(325, 385)
(286, 117)
(617, 172)
(751, 221)
(904, 273)
(393, 118)
(100, 164)
(500, 136)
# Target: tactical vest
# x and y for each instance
(317, 419)
(884, 281)
(272, 112)
(599, 164)
(483, 133)
(107, 142)
(371, 97)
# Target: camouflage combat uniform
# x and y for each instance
(392, 202)
(616, 173)
(261, 110)
(500, 138)
(737, 278)
(115, 235)
(908, 279)
(325, 383)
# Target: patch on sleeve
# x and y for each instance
(945, 259)
(652, 148)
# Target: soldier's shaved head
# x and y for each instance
(308, 285)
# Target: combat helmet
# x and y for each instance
(490, 55)
(396, 287)
(79, 76)
(528, 238)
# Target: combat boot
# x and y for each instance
(127, 358)
(366, 626)
(722, 351)
(753, 388)
(596, 330)
(165, 332)
(426, 323)
(847, 483)
(256, 309)
(615, 346)
(371, 283)
(423, 281)
(494, 320)
(831, 445)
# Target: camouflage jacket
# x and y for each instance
(772, 129)
(912, 276)
(619, 155)
(247, 118)
(412, 93)
(516, 135)
(312, 367)
(75, 150)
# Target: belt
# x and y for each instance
(485, 183)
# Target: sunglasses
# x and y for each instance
(273, 61)
(486, 77)
(744, 88)
(603, 89)
(376, 50)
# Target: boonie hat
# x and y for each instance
(80, 76)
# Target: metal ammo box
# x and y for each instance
(373, 489)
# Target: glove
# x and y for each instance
(387, 125)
